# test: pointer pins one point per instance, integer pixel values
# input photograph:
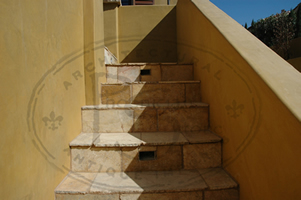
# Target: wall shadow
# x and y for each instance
(160, 45)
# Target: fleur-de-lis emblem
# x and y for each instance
(234, 110)
(52, 122)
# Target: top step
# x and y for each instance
(132, 72)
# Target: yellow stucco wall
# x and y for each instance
(147, 34)
(41, 82)
(111, 27)
(254, 97)
(94, 50)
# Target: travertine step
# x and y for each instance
(207, 184)
(104, 152)
(123, 118)
(127, 72)
(151, 92)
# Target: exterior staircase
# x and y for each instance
(149, 139)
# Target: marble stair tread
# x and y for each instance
(153, 82)
(130, 64)
(141, 64)
(131, 182)
(140, 139)
(217, 178)
(84, 139)
(143, 139)
(139, 106)
(132, 72)
(211, 179)
(76, 183)
(197, 137)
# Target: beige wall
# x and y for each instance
(42, 72)
(147, 34)
(254, 99)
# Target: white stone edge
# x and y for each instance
(153, 82)
(140, 142)
(139, 106)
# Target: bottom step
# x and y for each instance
(212, 183)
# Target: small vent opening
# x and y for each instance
(147, 155)
(144, 72)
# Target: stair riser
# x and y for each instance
(110, 160)
(87, 197)
(194, 195)
(122, 74)
(148, 119)
(150, 93)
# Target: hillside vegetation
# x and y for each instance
(278, 30)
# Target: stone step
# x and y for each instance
(123, 118)
(117, 152)
(127, 72)
(208, 184)
(151, 92)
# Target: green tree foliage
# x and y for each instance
(298, 20)
(252, 23)
(278, 30)
(263, 29)
(284, 32)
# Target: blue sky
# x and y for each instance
(245, 10)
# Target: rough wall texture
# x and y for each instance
(254, 99)
(42, 90)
